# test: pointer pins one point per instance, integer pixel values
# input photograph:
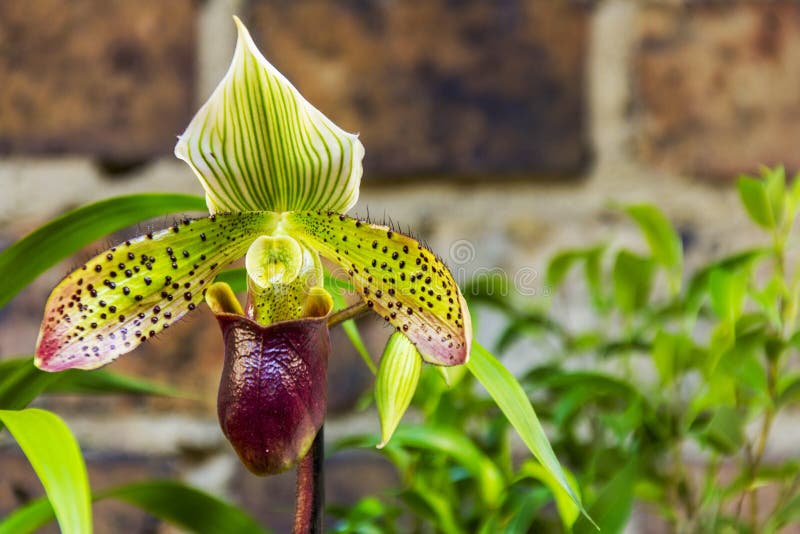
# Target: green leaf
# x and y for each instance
(235, 278)
(399, 279)
(787, 514)
(664, 242)
(633, 279)
(793, 198)
(754, 197)
(396, 382)
(185, 506)
(724, 431)
(698, 285)
(457, 445)
(560, 265)
(788, 389)
(613, 505)
(55, 456)
(727, 291)
(29, 257)
(514, 403)
(775, 187)
(669, 354)
(21, 382)
(258, 145)
(102, 382)
(567, 509)
(426, 503)
(124, 296)
(181, 505)
(592, 269)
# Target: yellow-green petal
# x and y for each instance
(257, 144)
(131, 292)
(396, 383)
(398, 278)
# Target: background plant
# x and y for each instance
(670, 362)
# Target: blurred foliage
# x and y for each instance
(670, 361)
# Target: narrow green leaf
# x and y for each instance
(21, 382)
(633, 279)
(29, 257)
(186, 507)
(787, 514)
(174, 502)
(567, 508)
(27, 518)
(613, 505)
(514, 403)
(102, 382)
(399, 279)
(754, 197)
(441, 440)
(55, 456)
(427, 503)
(398, 375)
(257, 144)
(124, 296)
(664, 242)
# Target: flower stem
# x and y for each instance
(309, 508)
(356, 310)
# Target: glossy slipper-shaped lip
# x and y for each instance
(273, 391)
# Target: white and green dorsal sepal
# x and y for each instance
(257, 144)
(128, 294)
(280, 274)
(397, 277)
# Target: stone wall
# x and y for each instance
(498, 131)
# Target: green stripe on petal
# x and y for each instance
(396, 276)
(133, 291)
(257, 144)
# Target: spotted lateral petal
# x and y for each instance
(257, 144)
(125, 295)
(397, 277)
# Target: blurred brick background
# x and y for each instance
(505, 127)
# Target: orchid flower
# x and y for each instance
(279, 178)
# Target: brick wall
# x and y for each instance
(510, 125)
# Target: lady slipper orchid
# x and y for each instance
(279, 177)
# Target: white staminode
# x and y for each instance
(257, 144)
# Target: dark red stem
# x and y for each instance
(309, 509)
